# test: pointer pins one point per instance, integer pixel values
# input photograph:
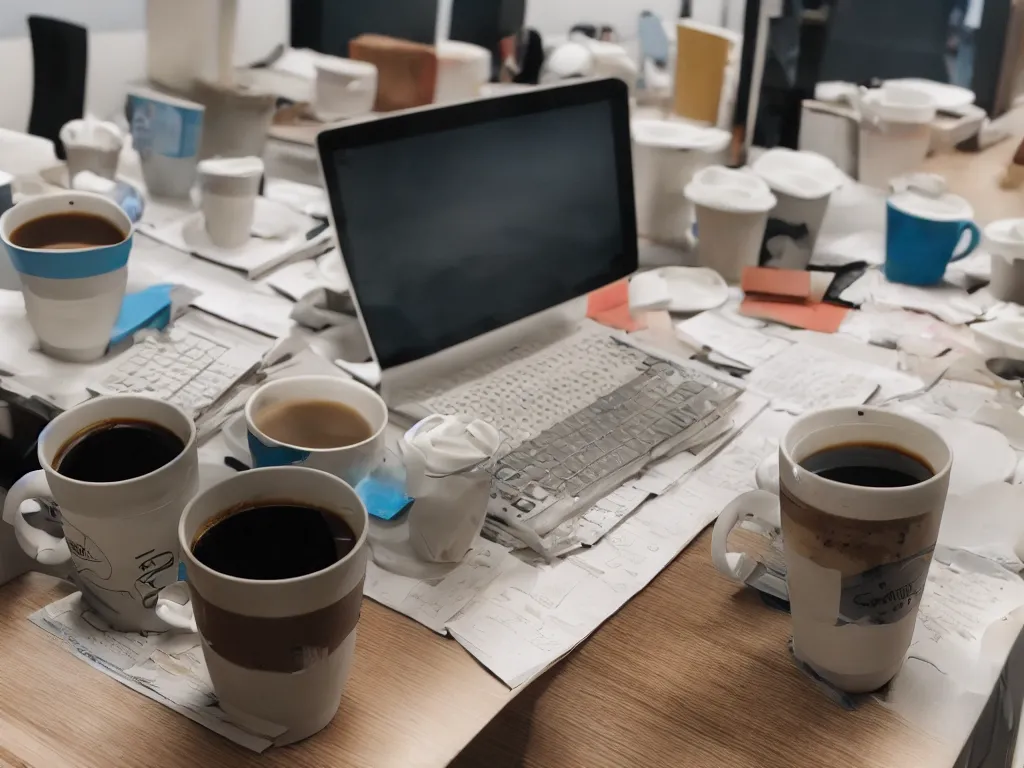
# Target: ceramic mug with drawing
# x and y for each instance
(859, 500)
(121, 470)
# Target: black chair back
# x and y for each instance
(59, 61)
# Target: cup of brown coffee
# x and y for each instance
(121, 470)
(70, 250)
(860, 500)
(275, 560)
(323, 422)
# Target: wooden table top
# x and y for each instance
(414, 699)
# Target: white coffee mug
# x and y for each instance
(856, 556)
(352, 462)
(72, 295)
(251, 630)
(121, 537)
(228, 189)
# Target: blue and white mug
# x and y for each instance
(351, 463)
(924, 235)
(72, 295)
(166, 132)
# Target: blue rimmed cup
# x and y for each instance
(351, 463)
(72, 295)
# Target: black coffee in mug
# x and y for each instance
(273, 540)
(117, 449)
(67, 231)
(869, 465)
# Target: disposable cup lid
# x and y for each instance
(726, 189)
(671, 134)
(944, 207)
(806, 175)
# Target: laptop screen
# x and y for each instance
(457, 221)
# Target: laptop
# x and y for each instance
(472, 234)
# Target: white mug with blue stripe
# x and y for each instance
(351, 463)
(72, 295)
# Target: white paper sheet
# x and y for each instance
(970, 617)
(946, 302)
(433, 603)
(804, 378)
(744, 345)
(283, 237)
(167, 668)
(530, 616)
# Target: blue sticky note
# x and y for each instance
(384, 498)
(150, 308)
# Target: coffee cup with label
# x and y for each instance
(275, 560)
(70, 250)
(732, 214)
(121, 470)
(860, 501)
(166, 132)
(323, 422)
(227, 194)
(803, 183)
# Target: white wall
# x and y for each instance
(117, 48)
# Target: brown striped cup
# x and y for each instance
(278, 650)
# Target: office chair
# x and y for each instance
(59, 61)
(486, 23)
(869, 39)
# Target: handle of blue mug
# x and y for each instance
(38, 544)
(174, 608)
(971, 246)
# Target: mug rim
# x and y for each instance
(939, 474)
(267, 440)
(47, 464)
(186, 546)
(125, 224)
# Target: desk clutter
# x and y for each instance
(828, 370)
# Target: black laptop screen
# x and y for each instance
(475, 216)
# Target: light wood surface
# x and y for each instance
(414, 699)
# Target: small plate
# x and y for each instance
(693, 289)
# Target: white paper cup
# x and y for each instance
(72, 296)
(279, 650)
(729, 241)
(121, 537)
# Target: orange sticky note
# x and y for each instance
(824, 318)
(610, 306)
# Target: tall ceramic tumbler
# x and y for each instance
(862, 492)
(277, 649)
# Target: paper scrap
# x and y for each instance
(805, 378)
(433, 603)
(167, 668)
(744, 345)
(946, 302)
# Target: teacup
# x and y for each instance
(72, 295)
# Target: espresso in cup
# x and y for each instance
(115, 450)
(67, 231)
(282, 540)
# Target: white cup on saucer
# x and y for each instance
(227, 194)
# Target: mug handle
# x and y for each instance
(39, 545)
(762, 509)
(174, 608)
(971, 246)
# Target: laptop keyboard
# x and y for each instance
(579, 418)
